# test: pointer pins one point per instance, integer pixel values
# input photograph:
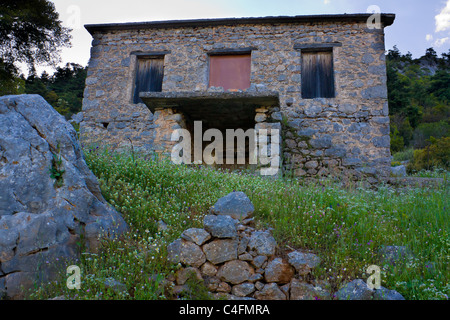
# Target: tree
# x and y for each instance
(431, 54)
(30, 33)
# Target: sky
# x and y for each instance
(419, 24)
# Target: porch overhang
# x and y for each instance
(225, 101)
(215, 109)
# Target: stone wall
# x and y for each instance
(349, 132)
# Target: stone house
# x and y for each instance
(320, 79)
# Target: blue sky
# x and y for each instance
(419, 24)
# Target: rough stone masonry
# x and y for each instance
(342, 125)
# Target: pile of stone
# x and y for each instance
(236, 261)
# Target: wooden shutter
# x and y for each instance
(149, 76)
(230, 71)
(317, 75)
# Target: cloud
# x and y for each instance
(443, 18)
(440, 42)
(326, 1)
(429, 37)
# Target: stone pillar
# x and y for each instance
(268, 142)
(166, 120)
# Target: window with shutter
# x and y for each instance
(230, 71)
(149, 76)
(317, 74)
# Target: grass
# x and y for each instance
(345, 226)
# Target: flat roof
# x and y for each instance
(386, 18)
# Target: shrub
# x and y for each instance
(437, 155)
(397, 141)
(405, 155)
(427, 130)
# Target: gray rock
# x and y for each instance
(263, 243)
(260, 117)
(208, 269)
(243, 289)
(77, 117)
(259, 261)
(378, 70)
(243, 243)
(313, 111)
(41, 218)
(114, 285)
(174, 251)
(367, 58)
(219, 250)
(386, 294)
(394, 254)
(304, 291)
(277, 116)
(235, 272)
(278, 271)
(348, 108)
(270, 292)
(375, 92)
(398, 171)
(382, 142)
(303, 262)
(308, 132)
(355, 290)
(191, 254)
(246, 257)
(185, 274)
(311, 164)
(322, 143)
(196, 235)
(162, 226)
(236, 204)
(220, 226)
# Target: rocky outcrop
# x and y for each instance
(50, 202)
(236, 261)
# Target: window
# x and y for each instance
(149, 76)
(317, 74)
(230, 71)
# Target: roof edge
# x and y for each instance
(386, 18)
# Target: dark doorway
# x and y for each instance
(149, 76)
(317, 75)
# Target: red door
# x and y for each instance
(230, 71)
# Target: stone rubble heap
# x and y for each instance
(236, 261)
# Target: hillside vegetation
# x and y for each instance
(419, 108)
(345, 225)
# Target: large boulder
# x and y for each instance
(355, 290)
(49, 199)
(235, 204)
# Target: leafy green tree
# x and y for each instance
(30, 33)
(419, 98)
(63, 90)
(440, 85)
